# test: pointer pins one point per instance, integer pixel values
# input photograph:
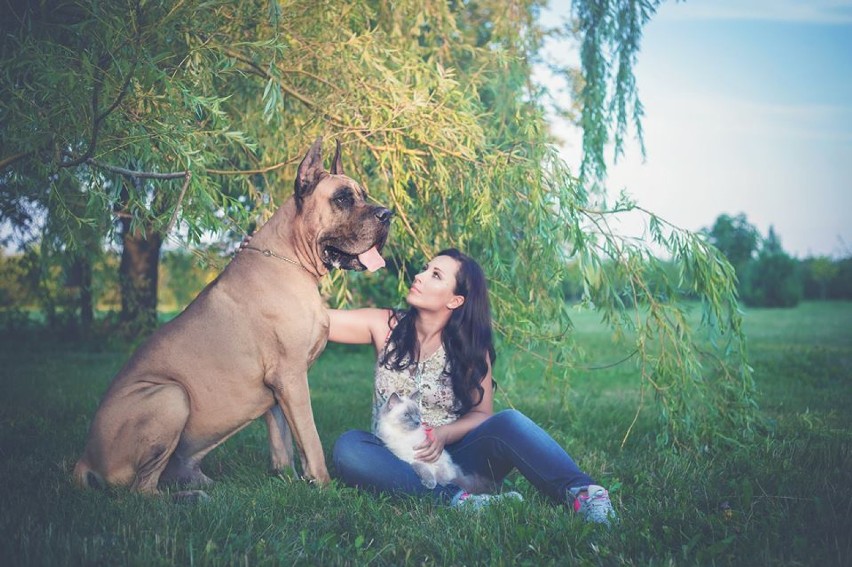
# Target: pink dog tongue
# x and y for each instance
(371, 259)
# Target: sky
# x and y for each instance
(748, 109)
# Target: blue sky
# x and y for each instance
(748, 109)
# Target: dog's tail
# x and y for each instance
(85, 477)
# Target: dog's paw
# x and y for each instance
(190, 496)
(288, 474)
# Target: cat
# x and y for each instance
(400, 427)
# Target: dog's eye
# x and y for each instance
(344, 199)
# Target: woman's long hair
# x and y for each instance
(466, 338)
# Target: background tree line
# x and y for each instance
(768, 276)
(29, 295)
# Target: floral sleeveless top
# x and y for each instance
(438, 403)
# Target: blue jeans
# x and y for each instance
(507, 440)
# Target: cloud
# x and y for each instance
(837, 12)
(782, 165)
(716, 114)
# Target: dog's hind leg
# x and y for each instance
(161, 416)
(280, 441)
(184, 471)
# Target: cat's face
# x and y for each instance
(402, 411)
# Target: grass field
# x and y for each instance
(786, 499)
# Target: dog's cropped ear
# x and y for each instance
(310, 172)
(336, 164)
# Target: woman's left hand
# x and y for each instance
(430, 450)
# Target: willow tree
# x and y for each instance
(189, 117)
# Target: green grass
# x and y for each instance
(789, 492)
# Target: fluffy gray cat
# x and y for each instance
(399, 425)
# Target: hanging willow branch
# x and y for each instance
(611, 32)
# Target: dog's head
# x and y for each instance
(350, 232)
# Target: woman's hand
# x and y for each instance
(244, 243)
(430, 450)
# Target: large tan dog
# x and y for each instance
(242, 348)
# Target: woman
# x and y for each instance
(442, 346)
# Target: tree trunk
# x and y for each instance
(80, 277)
(138, 274)
(87, 307)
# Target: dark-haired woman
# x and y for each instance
(442, 346)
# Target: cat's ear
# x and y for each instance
(415, 396)
(393, 400)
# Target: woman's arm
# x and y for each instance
(359, 326)
(450, 433)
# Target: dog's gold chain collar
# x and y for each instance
(269, 253)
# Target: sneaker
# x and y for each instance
(478, 501)
(593, 503)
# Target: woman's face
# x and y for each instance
(434, 289)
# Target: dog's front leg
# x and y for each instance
(280, 441)
(291, 393)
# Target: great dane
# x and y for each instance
(242, 348)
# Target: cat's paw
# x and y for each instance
(427, 477)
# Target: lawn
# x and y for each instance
(785, 499)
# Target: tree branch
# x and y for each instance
(137, 174)
(266, 169)
(171, 224)
(7, 161)
(96, 123)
